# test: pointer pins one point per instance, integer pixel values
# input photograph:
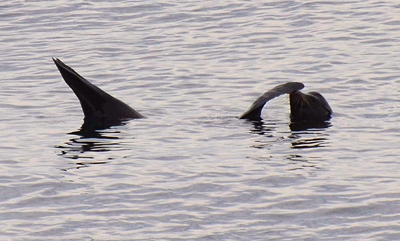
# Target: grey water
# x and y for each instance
(192, 170)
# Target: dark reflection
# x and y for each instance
(300, 126)
(303, 134)
(309, 134)
(309, 142)
(91, 138)
(94, 128)
(260, 128)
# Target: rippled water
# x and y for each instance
(192, 170)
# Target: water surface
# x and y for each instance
(192, 170)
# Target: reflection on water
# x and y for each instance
(301, 126)
(91, 139)
(91, 128)
(309, 135)
(260, 128)
(309, 142)
(288, 140)
(303, 135)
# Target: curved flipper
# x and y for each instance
(96, 104)
(254, 112)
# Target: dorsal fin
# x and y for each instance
(96, 104)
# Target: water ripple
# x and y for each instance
(192, 170)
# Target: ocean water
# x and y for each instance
(192, 170)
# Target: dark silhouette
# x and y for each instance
(311, 107)
(101, 110)
(305, 108)
(254, 112)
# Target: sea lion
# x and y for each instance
(311, 107)
(98, 107)
(254, 112)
